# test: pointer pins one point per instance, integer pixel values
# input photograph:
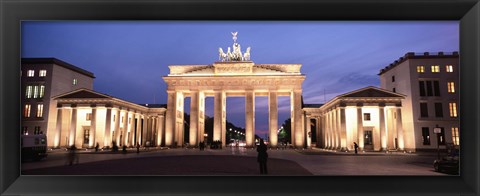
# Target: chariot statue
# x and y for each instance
(236, 54)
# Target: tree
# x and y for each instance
(286, 132)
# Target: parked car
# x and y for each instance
(449, 164)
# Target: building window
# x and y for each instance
(436, 88)
(28, 93)
(75, 81)
(451, 87)
(449, 68)
(24, 130)
(393, 78)
(441, 137)
(438, 110)
(429, 88)
(435, 68)
(42, 73)
(455, 136)
(453, 109)
(37, 131)
(423, 110)
(421, 85)
(26, 110)
(366, 116)
(35, 92)
(42, 91)
(425, 136)
(30, 73)
(394, 90)
(420, 69)
(39, 110)
(89, 116)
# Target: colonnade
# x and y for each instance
(175, 109)
(85, 126)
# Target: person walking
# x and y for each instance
(355, 145)
(96, 147)
(138, 148)
(262, 157)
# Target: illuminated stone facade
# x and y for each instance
(238, 79)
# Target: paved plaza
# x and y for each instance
(233, 161)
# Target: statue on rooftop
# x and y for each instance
(236, 54)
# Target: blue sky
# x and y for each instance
(130, 58)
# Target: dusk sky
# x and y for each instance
(130, 58)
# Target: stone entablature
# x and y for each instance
(234, 68)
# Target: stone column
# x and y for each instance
(194, 110)
(179, 119)
(117, 127)
(73, 128)
(336, 138)
(224, 119)
(131, 129)
(125, 129)
(343, 130)
(108, 122)
(250, 118)
(144, 129)
(170, 118)
(308, 134)
(58, 128)
(201, 116)
(327, 130)
(383, 135)
(218, 116)
(298, 131)
(138, 135)
(160, 130)
(93, 127)
(273, 118)
(361, 142)
(400, 129)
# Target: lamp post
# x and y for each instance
(437, 130)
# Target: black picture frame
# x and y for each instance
(13, 12)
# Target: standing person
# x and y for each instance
(262, 157)
(96, 147)
(138, 147)
(355, 145)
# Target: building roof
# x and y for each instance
(412, 55)
(154, 105)
(82, 93)
(370, 91)
(312, 105)
(57, 62)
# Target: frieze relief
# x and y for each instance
(235, 82)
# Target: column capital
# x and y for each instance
(381, 104)
(359, 105)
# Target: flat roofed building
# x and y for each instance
(42, 79)
(430, 82)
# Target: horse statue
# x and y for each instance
(221, 56)
(229, 55)
(246, 56)
(237, 53)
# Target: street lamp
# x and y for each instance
(438, 130)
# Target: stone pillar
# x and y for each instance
(328, 141)
(144, 130)
(131, 129)
(161, 124)
(117, 127)
(383, 135)
(108, 122)
(93, 127)
(73, 128)
(308, 134)
(224, 119)
(194, 118)
(273, 118)
(361, 143)
(58, 128)
(400, 138)
(343, 130)
(219, 116)
(138, 134)
(336, 138)
(298, 131)
(201, 117)
(250, 118)
(125, 129)
(170, 118)
(179, 119)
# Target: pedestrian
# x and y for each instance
(138, 148)
(124, 149)
(262, 157)
(72, 156)
(355, 145)
(96, 147)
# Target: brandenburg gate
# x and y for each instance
(233, 75)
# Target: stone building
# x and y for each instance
(42, 79)
(431, 85)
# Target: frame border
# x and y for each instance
(12, 12)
